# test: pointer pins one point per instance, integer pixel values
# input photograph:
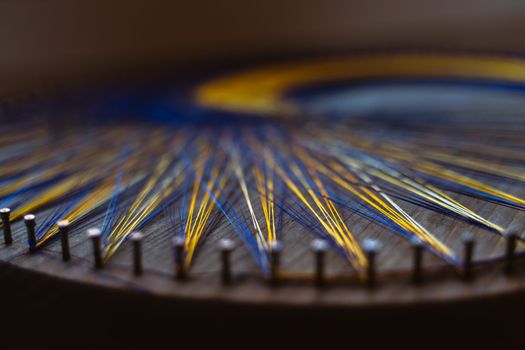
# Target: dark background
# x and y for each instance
(42, 41)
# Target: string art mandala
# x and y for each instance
(333, 169)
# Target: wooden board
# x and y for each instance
(442, 283)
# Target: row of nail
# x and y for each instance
(319, 248)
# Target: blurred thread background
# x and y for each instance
(47, 41)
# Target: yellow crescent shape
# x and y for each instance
(262, 90)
